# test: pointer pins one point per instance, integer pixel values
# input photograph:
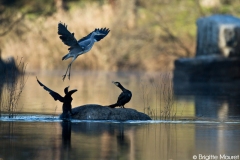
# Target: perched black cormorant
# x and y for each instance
(81, 46)
(66, 100)
(123, 98)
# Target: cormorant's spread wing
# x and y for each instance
(71, 92)
(66, 37)
(104, 31)
(55, 95)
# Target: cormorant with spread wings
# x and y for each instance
(66, 100)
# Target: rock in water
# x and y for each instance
(218, 35)
(206, 69)
(217, 55)
(98, 112)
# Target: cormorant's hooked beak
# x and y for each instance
(72, 91)
(115, 83)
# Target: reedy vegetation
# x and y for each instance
(158, 98)
(12, 83)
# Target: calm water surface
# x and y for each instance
(206, 123)
(115, 140)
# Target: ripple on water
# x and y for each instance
(54, 118)
(31, 118)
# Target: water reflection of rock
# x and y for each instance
(218, 101)
(218, 139)
(222, 108)
(103, 136)
(217, 52)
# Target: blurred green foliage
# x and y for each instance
(177, 13)
(156, 27)
(38, 7)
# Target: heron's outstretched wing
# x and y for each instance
(85, 38)
(104, 31)
(55, 95)
(66, 37)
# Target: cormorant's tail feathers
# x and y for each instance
(113, 105)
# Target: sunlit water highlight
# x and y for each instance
(54, 118)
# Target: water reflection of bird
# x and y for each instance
(123, 98)
(66, 134)
(123, 141)
(66, 100)
(81, 46)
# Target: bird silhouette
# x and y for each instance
(81, 46)
(123, 98)
(66, 100)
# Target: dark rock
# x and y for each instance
(217, 53)
(218, 35)
(98, 112)
(8, 64)
(207, 69)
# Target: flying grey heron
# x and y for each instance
(81, 46)
(123, 98)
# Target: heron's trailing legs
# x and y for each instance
(68, 70)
